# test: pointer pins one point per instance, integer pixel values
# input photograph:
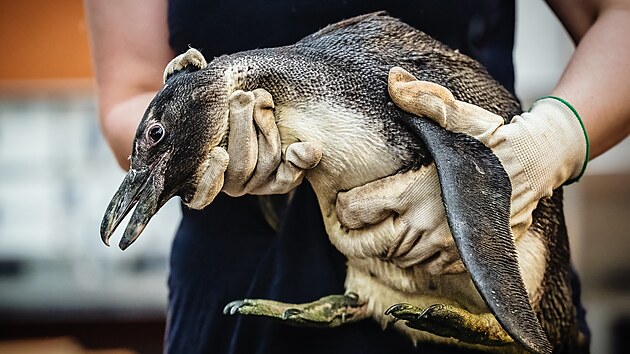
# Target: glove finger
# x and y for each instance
(414, 192)
(211, 182)
(373, 241)
(434, 251)
(269, 145)
(436, 102)
(290, 173)
(286, 178)
(373, 202)
(304, 155)
(424, 219)
(287, 175)
(242, 142)
(421, 98)
(264, 117)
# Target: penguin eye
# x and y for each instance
(155, 133)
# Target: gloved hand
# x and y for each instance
(254, 162)
(540, 150)
(417, 235)
(257, 164)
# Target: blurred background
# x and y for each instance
(62, 290)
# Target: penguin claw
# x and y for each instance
(233, 307)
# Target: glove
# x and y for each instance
(418, 235)
(540, 150)
(257, 163)
(254, 162)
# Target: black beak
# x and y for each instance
(139, 188)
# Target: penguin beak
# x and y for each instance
(142, 189)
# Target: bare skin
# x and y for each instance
(129, 40)
(595, 80)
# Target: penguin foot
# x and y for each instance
(329, 311)
(450, 321)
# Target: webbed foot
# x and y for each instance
(450, 321)
(329, 311)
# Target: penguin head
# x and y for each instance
(172, 148)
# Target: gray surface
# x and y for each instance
(56, 178)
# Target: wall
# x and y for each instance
(43, 42)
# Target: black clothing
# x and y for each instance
(482, 29)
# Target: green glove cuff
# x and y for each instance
(588, 145)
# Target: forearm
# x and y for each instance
(596, 79)
(129, 40)
(119, 125)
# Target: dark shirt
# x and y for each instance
(482, 29)
(228, 251)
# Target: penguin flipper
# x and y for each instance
(476, 191)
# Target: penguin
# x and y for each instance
(331, 88)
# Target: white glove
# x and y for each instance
(211, 180)
(254, 162)
(540, 150)
(418, 234)
(257, 163)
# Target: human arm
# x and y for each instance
(595, 79)
(129, 41)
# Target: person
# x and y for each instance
(228, 251)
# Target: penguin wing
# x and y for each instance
(476, 192)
